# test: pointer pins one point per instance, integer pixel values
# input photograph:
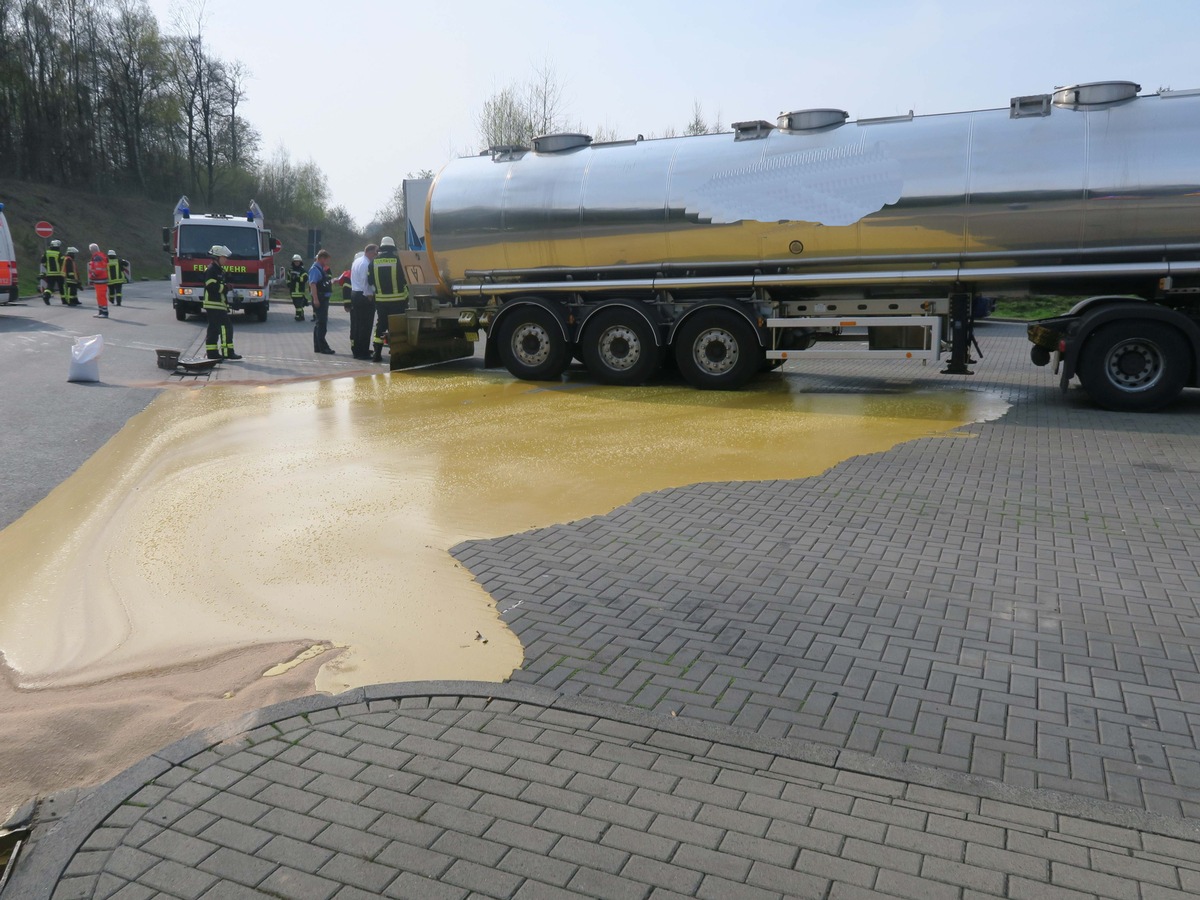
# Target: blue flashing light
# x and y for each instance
(185, 212)
(1, 207)
(250, 215)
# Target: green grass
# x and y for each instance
(1029, 308)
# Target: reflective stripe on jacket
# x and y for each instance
(98, 269)
(298, 282)
(388, 278)
(214, 288)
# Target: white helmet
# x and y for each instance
(219, 250)
(296, 257)
(387, 242)
(55, 244)
(71, 251)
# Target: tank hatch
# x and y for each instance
(556, 143)
(1095, 93)
(812, 119)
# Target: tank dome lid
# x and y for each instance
(1095, 93)
(554, 143)
(812, 119)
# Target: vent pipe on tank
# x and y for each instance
(751, 131)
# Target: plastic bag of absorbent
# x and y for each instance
(85, 358)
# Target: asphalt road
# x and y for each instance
(73, 420)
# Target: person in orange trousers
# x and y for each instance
(98, 275)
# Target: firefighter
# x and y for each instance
(218, 343)
(52, 272)
(298, 285)
(98, 276)
(391, 292)
(118, 274)
(70, 294)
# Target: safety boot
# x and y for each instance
(46, 297)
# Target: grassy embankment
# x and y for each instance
(130, 225)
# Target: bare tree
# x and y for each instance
(134, 66)
(236, 76)
(514, 116)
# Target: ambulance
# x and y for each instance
(8, 262)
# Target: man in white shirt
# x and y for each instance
(362, 304)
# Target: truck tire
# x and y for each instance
(181, 314)
(1134, 366)
(716, 349)
(618, 347)
(531, 344)
(262, 311)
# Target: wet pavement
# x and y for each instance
(966, 666)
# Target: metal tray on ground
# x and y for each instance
(197, 365)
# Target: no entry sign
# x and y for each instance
(43, 229)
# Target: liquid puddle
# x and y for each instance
(322, 512)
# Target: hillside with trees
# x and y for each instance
(105, 111)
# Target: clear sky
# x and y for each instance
(372, 90)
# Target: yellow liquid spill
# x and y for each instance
(232, 516)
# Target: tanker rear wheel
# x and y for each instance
(531, 344)
(1134, 366)
(717, 349)
(618, 347)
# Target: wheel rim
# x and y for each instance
(619, 348)
(715, 351)
(531, 344)
(1135, 364)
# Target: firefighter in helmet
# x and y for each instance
(118, 275)
(70, 294)
(98, 276)
(391, 292)
(218, 343)
(52, 273)
(297, 277)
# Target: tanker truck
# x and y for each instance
(727, 254)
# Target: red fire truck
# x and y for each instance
(251, 259)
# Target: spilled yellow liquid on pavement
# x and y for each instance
(228, 516)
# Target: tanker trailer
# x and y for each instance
(734, 252)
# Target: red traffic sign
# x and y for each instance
(43, 229)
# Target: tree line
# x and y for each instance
(94, 94)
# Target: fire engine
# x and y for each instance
(251, 260)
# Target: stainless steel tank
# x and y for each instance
(1092, 173)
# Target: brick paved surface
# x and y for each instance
(1017, 601)
(497, 791)
(966, 667)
